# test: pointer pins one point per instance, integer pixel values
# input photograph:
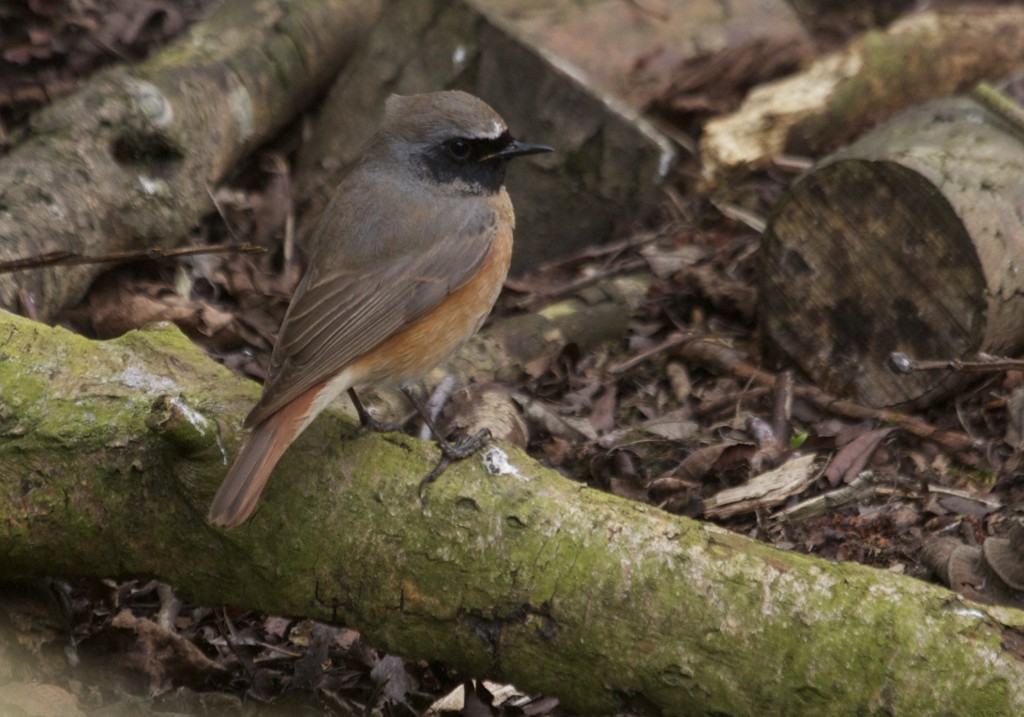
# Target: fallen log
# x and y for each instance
(110, 451)
(909, 240)
(926, 54)
(129, 160)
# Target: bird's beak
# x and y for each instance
(515, 148)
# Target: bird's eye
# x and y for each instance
(458, 149)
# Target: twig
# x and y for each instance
(275, 648)
(571, 287)
(674, 340)
(725, 359)
(982, 363)
(782, 413)
(220, 209)
(602, 251)
(68, 258)
(1001, 104)
(753, 220)
(861, 486)
(711, 407)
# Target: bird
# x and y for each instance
(405, 264)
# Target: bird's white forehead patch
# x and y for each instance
(497, 129)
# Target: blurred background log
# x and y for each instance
(129, 160)
(608, 160)
(924, 55)
(909, 240)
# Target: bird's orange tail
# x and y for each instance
(240, 491)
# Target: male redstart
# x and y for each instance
(405, 264)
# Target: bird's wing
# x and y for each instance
(349, 303)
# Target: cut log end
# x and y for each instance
(864, 258)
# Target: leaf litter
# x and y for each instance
(682, 412)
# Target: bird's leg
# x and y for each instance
(368, 422)
(449, 451)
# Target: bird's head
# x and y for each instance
(450, 138)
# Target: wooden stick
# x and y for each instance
(67, 258)
(726, 360)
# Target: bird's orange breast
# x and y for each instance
(422, 345)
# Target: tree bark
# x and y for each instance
(110, 452)
(907, 241)
(129, 160)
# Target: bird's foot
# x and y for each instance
(461, 450)
(372, 424)
(368, 422)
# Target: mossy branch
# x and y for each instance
(110, 452)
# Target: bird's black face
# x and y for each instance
(477, 163)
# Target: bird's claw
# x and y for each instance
(461, 450)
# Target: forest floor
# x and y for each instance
(875, 494)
